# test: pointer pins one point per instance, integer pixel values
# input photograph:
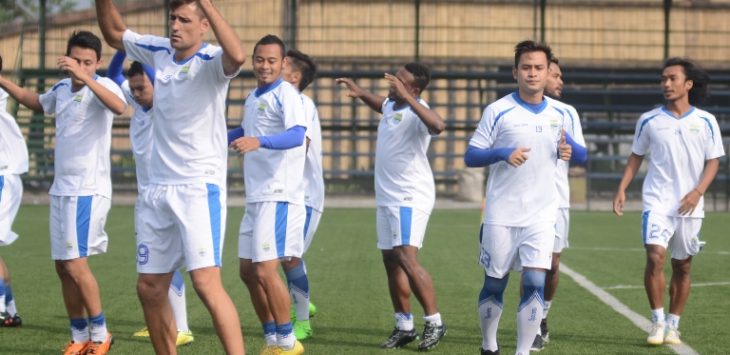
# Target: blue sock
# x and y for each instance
(269, 332)
(177, 283)
(284, 336)
(533, 285)
(98, 327)
(490, 309)
(3, 296)
(79, 330)
(8, 294)
(297, 278)
(494, 288)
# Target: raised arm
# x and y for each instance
(107, 97)
(632, 166)
(111, 23)
(374, 101)
(26, 97)
(429, 117)
(233, 54)
(115, 69)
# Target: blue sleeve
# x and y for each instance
(580, 153)
(292, 137)
(477, 157)
(114, 71)
(150, 73)
(235, 134)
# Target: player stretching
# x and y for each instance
(521, 138)
(138, 90)
(405, 194)
(84, 106)
(183, 210)
(685, 144)
(574, 137)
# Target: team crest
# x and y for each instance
(554, 123)
(185, 69)
(78, 98)
(262, 108)
(694, 128)
(398, 117)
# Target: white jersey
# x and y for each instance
(273, 174)
(189, 128)
(313, 177)
(13, 150)
(573, 128)
(140, 135)
(403, 175)
(678, 148)
(525, 195)
(83, 139)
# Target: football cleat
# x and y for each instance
(399, 338)
(184, 338)
(656, 334)
(432, 335)
(74, 348)
(672, 337)
(6, 320)
(302, 330)
(101, 347)
(144, 332)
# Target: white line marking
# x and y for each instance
(641, 250)
(613, 302)
(699, 284)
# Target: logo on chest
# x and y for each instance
(78, 98)
(262, 108)
(398, 117)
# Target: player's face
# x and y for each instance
(187, 28)
(554, 87)
(86, 57)
(267, 63)
(141, 89)
(407, 79)
(675, 84)
(531, 72)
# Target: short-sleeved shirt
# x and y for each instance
(13, 151)
(574, 129)
(313, 178)
(403, 175)
(274, 174)
(525, 195)
(140, 135)
(189, 128)
(83, 138)
(677, 149)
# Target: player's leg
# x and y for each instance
(152, 292)
(4, 283)
(684, 245)
(298, 284)
(176, 295)
(11, 192)
(208, 285)
(656, 232)
(399, 288)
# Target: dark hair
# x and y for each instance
(555, 60)
(174, 4)
(135, 69)
(421, 75)
(700, 78)
(532, 46)
(304, 64)
(270, 39)
(84, 39)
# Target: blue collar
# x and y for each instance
(670, 113)
(534, 108)
(181, 62)
(268, 87)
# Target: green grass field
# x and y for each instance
(348, 285)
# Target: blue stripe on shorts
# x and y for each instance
(406, 219)
(282, 209)
(214, 209)
(2, 184)
(83, 218)
(644, 225)
(307, 220)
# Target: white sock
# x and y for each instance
(270, 339)
(434, 319)
(285, 341)
(657, 315)
(528, 324)
(673, 321)
(301, 304)
(10, 308)
(404, 321)
(546, 309)
(98, 328)
(179, 309)
(489, 315)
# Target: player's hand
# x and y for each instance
(518, 156)
(689, 202)
(72, 67)
(397, 86)
(354, 90)
(565, 149)
(244, 145)
(618, 202)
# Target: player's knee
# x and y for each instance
(247, 273)
(655, 260)
(150, 291)
(493, 287)
(681, 267)
(533, 283)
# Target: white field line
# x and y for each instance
(642, 250)
(699, 284)
(613, 302)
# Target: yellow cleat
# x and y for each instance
(144, 333)
(184, 338)
(297, 349)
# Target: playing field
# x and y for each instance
(348, 286)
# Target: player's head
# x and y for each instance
(188, 25)
(140, 84)
(554, 87)
(268, 58)
(299, 69)
(415, 78)
(532, 61)
(85, 48)
(683, 79)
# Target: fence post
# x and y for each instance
(667, 11)
(417, 44)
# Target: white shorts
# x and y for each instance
(310, 226)
(562, 226)
(398, 226)
(681, 234)
(271, 230)
(77, 226)
(513, 248)
(179, 226)
(11, 193)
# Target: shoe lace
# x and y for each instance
(430, 333)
